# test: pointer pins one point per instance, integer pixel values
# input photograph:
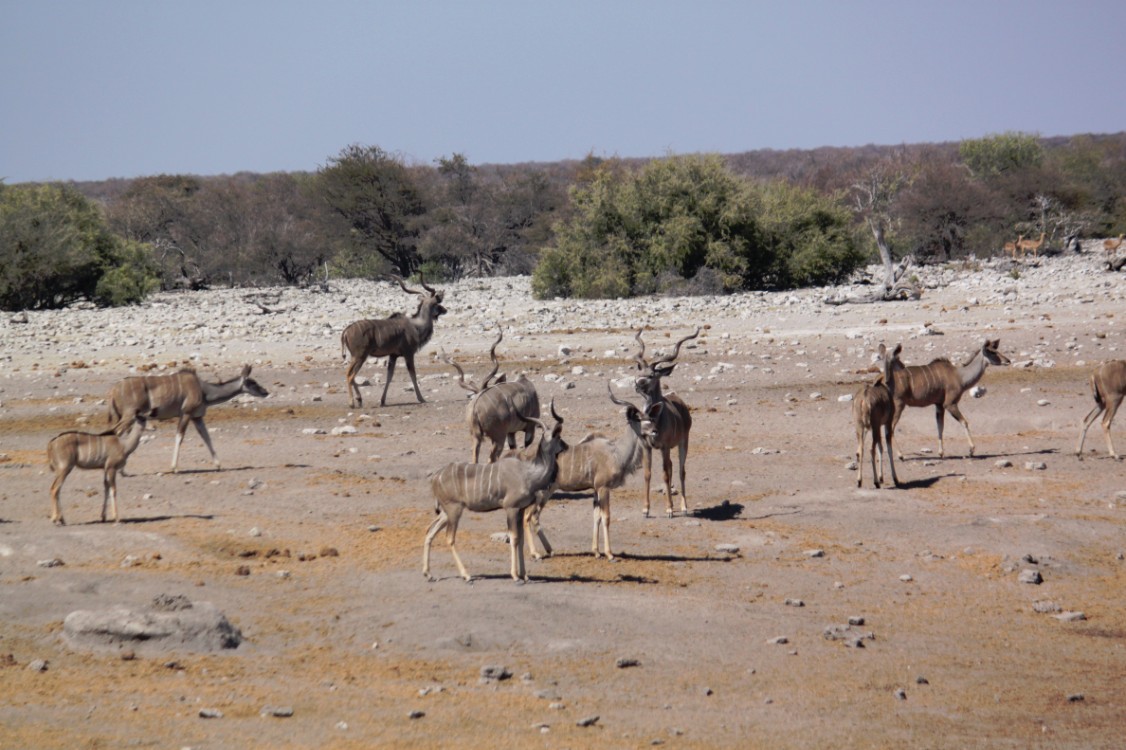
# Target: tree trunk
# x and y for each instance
(877, 228)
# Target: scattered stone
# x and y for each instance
(920, 680)
(37, 665)
(1035, 466)
(416, 714)
(1075, 698)
(906, 578)
(625, 663)
(900, 694)
(1004, 463)
(845, 398)
(280, 712)
(195, 627)
(242, 570)
(329, 552)
(731, 549)
(346, 429)
(856, 621)
(210, 713)
(54, 562)
(778, 641)
(1071, 616)
(815, 553)
(1043, 402)
(494, 673)
(1030, 575)
(166, 603)
(977, 391)
(1046, 607)
(794, 603)
(589, 721)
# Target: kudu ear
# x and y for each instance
(898, 350)
(245, 370)
(502, 379)
(662, 371)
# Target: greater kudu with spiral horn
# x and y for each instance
(598, 463)
(392, 337)
(511, 484)
(500, 409)
(671, 417)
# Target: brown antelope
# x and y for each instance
(596, 463)
(392, 337)
(873, 408)
(671, 417)
(1108, 385)
(1033, 246)
(494, 412)
(1110, 247)
(511, 484)
(87, 450)
(1012, 247)
(940, 384)
(182, 396)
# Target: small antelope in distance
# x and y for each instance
(108, 451)
(597, 463)
(392, 337)
(1110, 247)
(1032, 246)
(1011, 247)
(940, 384)
(671, 417)
(499, 410)
(511, 484)
(1108, 386)
(181, 395)
(873, 408)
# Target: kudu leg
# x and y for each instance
(1111, 409)
(201, 428)
(666, 465)
(516, 541)
(602, 517)
(390, 373)
(355, 398)
(1087, 422)
(682, 455)
(957, 414)
(109, 487)
(939, 418)
(56, 486)
(647, 469)
(436, 525)
(873, 456)
(888, 435)
(533, 530)
(859, 456)
(414, 378)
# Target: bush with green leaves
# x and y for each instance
(55, 249)
(652, 229)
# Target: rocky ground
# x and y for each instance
(789, 609)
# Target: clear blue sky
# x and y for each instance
(93, 89)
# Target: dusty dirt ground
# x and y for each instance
(367, 653)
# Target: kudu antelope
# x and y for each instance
(87, 450)
(1108, 386)
(182, 396)
(511, 484)
(498, 410)
(940, 384)
(873, 408)
(1110, 247)
(1031, 246)
(600, 464)
(392, 337)
(671, 417)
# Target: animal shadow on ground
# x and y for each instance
(150, 519)
(725, 511)
(920, 484)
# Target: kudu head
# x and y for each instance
(992, 352)
(552, 443)
(473, 387)
(649, 382)
(250, 385)
(891, 364)
(430, 304)
(639, 421)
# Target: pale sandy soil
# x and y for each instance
(355, 642)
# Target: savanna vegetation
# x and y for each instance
(680, 224)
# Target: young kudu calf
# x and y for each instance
(107, 451)
(873, 408)
(671, 417)
(498, 410)
(1108, 386)
(511, 484)
(392, 337)
(600, 464)
(181, 395)
(940, 384)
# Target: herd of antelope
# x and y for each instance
(521, 480)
